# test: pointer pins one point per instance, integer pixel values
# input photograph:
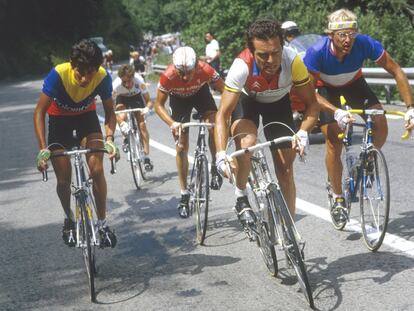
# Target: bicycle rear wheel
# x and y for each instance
(201, 197)
(374, 199)
(265, 223)
(135, 160)
(293, 252)
(88, 247)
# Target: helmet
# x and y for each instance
(290, 27)
(184, 58)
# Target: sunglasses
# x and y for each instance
(343, 35)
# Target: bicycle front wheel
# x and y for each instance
(293, 252)
(374, 199)
(265, 223)
(135, 160)
(88, 247)
(201, 197)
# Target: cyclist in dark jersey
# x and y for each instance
(68, 97)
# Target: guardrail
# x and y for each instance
(158, 68)
(374, 76)
(378, 76)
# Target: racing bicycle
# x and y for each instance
(365, 178)
(85, 209)
(199, 178)
(135, 148)
(274, 225)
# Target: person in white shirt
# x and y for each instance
(212, 56)
(130, 91)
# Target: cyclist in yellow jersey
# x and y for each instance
(258, 84)
(68, 97)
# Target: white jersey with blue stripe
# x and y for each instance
(320, 58)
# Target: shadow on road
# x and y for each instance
(41, 272)
(327, 279)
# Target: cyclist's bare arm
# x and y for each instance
(110, 118)
(324, 104)
(148, 101)
(160, 107)
(39, 119)
(400, 77)
(219, 85)
(227, 105)
(307, 94)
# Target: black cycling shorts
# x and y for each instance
(358, 95)
(202, 101)
(279, 111)
(135, 101)
(61, 129)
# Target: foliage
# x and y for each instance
(229, 20)
(36, 33)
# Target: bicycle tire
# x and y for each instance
(201, 197)
(141, 156)
(88, 249)
(293, 253)
(134, 160)
(264, 228)
(374, 199)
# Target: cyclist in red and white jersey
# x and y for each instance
(258, 84)
(185, 83)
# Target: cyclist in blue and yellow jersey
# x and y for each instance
(258, 84)
(337, 60)
(68, 97)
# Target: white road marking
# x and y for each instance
(391, 240)
(17, 108)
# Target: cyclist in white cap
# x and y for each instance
(185, 82)
(290, 31)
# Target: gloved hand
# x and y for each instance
(302, 142)
(112, 150)
(342, 117)
(174, 128)
(220, 162)
(41, 159)
(409, 118)
(145, 110)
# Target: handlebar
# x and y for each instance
(130, 110)
(374, 112)
(276, 141)
(69, 153)
(191, 124)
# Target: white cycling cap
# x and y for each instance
(184, 58)
(289, 25)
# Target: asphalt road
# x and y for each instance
(158, 266)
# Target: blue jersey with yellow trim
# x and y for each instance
(69, 98)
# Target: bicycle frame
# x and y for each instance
(270, 187)
(81, 192)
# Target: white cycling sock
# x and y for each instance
(101, 223)
(240, 192)
(334, 195)
(184, 192)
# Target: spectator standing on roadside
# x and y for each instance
(212, 56)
